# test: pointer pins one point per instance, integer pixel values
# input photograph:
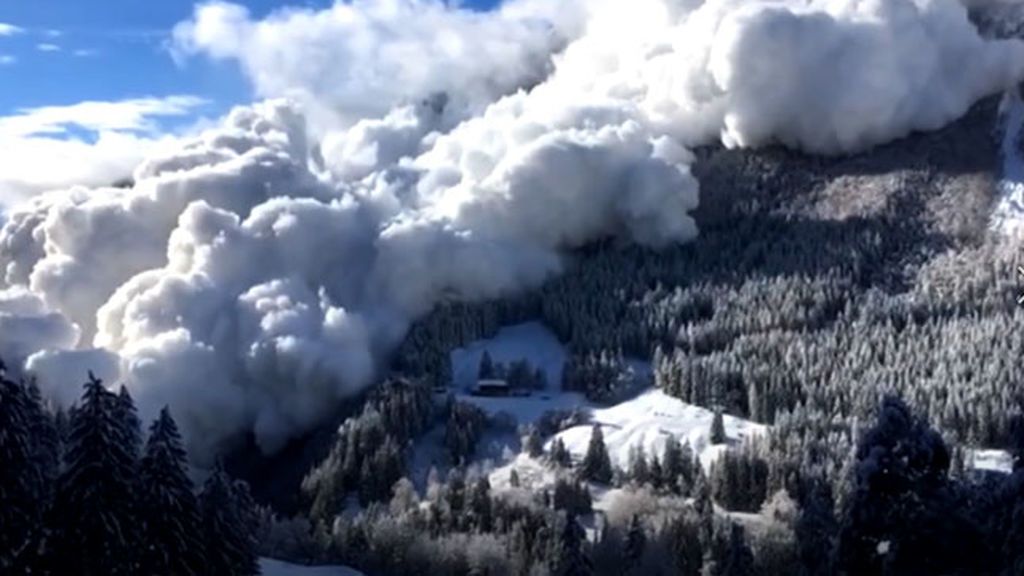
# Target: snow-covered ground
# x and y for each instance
(647, 419)
(271, 567)
(991, 460)
(531, 341)
(1008, 215)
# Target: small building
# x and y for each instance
(491, 387)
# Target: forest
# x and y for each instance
(852, 305)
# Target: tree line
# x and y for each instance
(81, 492)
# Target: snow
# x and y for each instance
(649, 420)
(991, 460)
(271, 567)
(531, 341)
(1008, 216)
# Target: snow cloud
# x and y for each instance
(257, 274)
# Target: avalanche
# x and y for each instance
(423, 152)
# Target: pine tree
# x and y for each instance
(94, 522)
(636, 540)
(570, 558)
(902, 501)
(639, 473)
(168, 509)
(532, 444)
(815, 531)
(740, 560)
(597, 465)
(129, 423)
(486, 367)
(672, 465)
(22, 480)
(480, 504)
(559, 454)
(717, 434)
(228, 527)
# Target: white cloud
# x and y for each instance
(43, 149)
(7, 60)
(133, 115)
(9, 29)
(47, 47)
(84, 52)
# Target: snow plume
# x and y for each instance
(262, 272)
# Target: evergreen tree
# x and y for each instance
(168, 511)
(129, 423)
(672, 465)
(228, 527)
(570, 558)
(639, 473)
(815, 531)
(532, 444)
(597, 465)
(902, 514)
(486, 370)
(636, 540)
(740, 560)
(480, 504)
(559, 454)
(23, 479)
(717, 434)
(94, 523)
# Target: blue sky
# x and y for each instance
(112, 50)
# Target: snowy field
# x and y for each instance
(530, 341)
(271, 567)
(647, 420)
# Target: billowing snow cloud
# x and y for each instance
(258, 274)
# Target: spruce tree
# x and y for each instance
(229, 527)
(486, 370)
(636, 540)
(902, 501)
(171, 534)
(740, 560)
(22, 480)
(717, 434)
(672, 465)
(815, 531)
(570, 559)
(559, 454)
(597, 465)
(93, 526)
(532, 444)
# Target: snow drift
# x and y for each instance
(263, 271)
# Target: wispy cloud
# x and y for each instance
(52, 33)
(7, 59)
(9, 29)
(46, 47)
(134, 116)
(85, 52)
